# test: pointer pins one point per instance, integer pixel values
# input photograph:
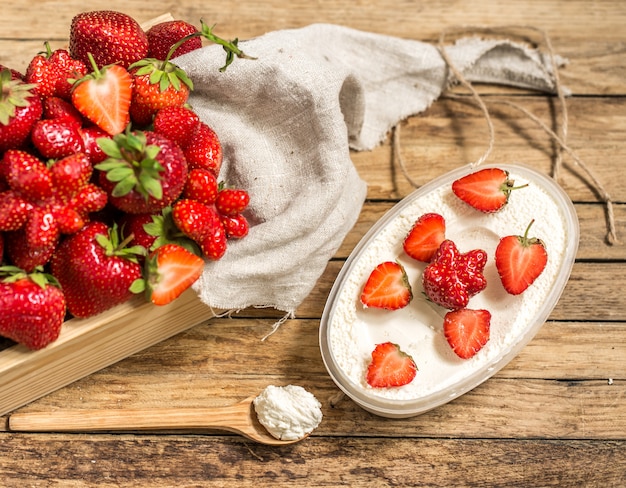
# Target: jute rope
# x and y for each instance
(560, 139)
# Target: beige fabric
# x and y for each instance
(288, 121)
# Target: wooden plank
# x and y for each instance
(156, 461)
(89, 345)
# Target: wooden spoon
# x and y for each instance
(240, 418)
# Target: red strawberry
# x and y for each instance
(43, 73)
(201, 185)
(177, 123)
(452, 278)
(58, 108)
(387, 287)
(163, 36)
(23, 255)
(69, 70)
(95, 270)
(156, 85)
(15, 74)
(13, 210)
(132, 226)
(70, 174)
(103, 97)
(232, 201)
(56, 138)
(111, 38)
(33, 308)
(27, 175)
(194, 218)
(520, 260)
(236, 226)
(467, 331)
(425, 237)
(170, 270)
(487, 190)
(145, 172)
(20, 108)
(204, 150)
(91, 147)
(390, 367)
(214, 245)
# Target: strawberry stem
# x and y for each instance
(230, 47)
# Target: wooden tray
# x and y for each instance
(88, 345)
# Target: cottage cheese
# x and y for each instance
(288, 412)
(353, 331)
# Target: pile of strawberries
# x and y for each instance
(451, 278)
(108, 178)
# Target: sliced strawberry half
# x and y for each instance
(390, 367)
(520, 260)
(467, 330)
(425, 237)
(387, 287)
(171, 269)
(487, 190)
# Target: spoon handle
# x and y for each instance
(229, 417)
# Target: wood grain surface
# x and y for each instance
(555, 416)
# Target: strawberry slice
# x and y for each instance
(467, 330)
(103, 97)
(520, 260)
(487, 190)
(387, 287)
(390, 367)
(425, 237)
(171, 269)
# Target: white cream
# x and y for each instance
(353, 330)
(288, 412)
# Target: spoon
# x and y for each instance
(239, 418)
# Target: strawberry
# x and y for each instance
(58, 108)
(156, 85)
(33, 308)
(387, 287)
(43, 73)
(467, 330)
(56, 138)
(69, 70)
(15, 74)
(144, 173)
(92, 149)
(214, 244)
(13, 210)
(452, 278)
(487, 190)
(162, 36)
(20, 108)
(70, 173)
(177, 123)
(201, 185)
(520, 260)
(23, 255)
(425, 237)
(390, 367)
(204, 150)
(95, 269)
(111, 38)
(103, 97)
(194, 218)
(236, 226)
(27, 175)
(170, 270)
(232, 201)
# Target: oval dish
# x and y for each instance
(349, 331)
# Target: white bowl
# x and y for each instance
(349, 332)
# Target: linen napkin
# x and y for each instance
(288, 121)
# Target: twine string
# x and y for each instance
(561, 140)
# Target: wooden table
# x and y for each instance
(555, 416)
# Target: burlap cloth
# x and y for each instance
(287, 122)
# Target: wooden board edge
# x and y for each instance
(89, 345)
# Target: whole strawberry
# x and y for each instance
(20, 108)
(205, 149)
(144, 173)
(162, 36)
(32, 307)
(95, 269)
(177, 123)
(111, 37)
(452, 277)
